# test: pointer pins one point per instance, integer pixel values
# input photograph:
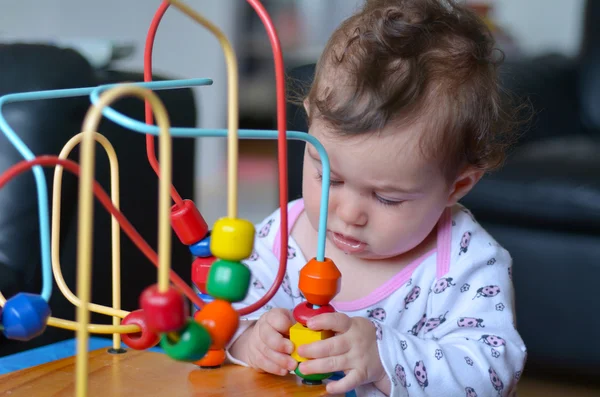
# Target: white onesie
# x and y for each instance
(445, 323)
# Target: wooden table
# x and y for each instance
(142, 373)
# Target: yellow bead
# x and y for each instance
(301, 335)
(232, 239)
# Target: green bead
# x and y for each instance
(194, 341)
(228, 280)
(312, 377)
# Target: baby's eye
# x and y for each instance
(332, 182)
(385, 201)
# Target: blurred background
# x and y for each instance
(102, 29)
(544, 206)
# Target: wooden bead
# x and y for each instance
(221, 321)
(200, 269)
(312, 379)
(201, 249)
(303, 311)
(228, 280)
(25, 316)
(192, 344)
(232, 239)
(188, 223)
(164, 312)
(301, 335)
(145, 339)
(320, 281)
(214, 358)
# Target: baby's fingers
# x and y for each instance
(272, 361)
(274, 340)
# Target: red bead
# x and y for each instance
(188, 223)
(303, 311)
(165, 312)
(200, 269)
(145, 339)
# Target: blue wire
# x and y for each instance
(144, 128)
(38, 173)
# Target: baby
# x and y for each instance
(407, 103)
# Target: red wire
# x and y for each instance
(150, 150)
(127, 227)
(281, 138)
(282, 150)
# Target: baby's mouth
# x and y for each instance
(347, 244)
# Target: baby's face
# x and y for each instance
(384, 199)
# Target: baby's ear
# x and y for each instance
(306, 107)
(463, 184)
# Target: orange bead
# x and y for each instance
(320, 281)
(220, 319)
(214, 358)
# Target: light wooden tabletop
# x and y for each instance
(141, 373)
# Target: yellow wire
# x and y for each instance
(232, 109)
(115, 311)
(92, 328)
(86, 216)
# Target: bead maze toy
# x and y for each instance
(219, 277)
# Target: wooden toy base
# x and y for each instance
(141, 373)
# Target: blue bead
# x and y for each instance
(25, 316)
(201, 249)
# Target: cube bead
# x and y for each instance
(164, 311)
(25, 316)
(228, 280)
(232, 239)
(188, 223)
(301, 335)
(320, 281)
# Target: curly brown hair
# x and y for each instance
(403, 61)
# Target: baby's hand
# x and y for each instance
(353, 350)
(268, 350)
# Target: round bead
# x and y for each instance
(232, 239)
(201, 248)
(200, 268)
(164, 312)
(320, 281)
(188, 223)
(305, 310)
(145, 339)
(25, 316)
(214, 358)
(228, 280)
(314, 379)
(192, 345)
(221, 321)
